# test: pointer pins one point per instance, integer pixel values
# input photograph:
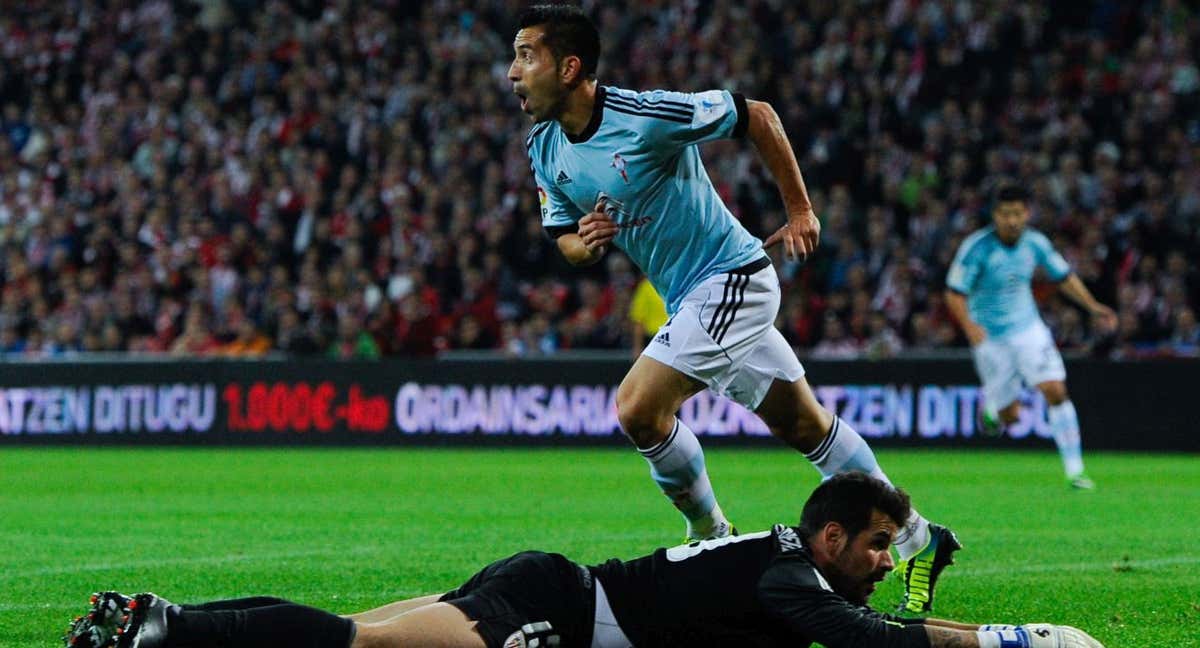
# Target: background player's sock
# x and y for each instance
(286, 625)
(844, 450)
(677, 466)
(1064, 423)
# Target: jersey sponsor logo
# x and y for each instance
(563, 179)
(618, 163)
(616, 210)
(637, 222)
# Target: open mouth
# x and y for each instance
(524, 101)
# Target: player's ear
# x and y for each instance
(834, 537)
(570, 70)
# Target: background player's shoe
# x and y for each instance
(920, 573)
(988, 425)
(1081, 482)
(145, 623)
(98, 628)
(723, 530)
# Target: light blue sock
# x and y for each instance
(1064, 423)
(843, 450)
(677, 466)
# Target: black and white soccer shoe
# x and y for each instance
(98, 628)
(144, 623)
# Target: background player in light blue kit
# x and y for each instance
(619, 167)
(988, 291)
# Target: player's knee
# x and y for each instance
(639, 419)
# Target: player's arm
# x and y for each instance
(1069, 283)
(1074, 288)
(582, 241)
(961, 278)
(588, 243)
(765, 130)
(792, 593)
(956, 303)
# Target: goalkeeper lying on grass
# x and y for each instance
(789, 586)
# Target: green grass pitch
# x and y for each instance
(350, 529)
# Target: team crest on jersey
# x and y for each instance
(618, 163)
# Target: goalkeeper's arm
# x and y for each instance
(950, 634)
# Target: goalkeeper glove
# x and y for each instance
(1035, 635)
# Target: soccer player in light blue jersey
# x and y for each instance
(988, 292)
(619, 167)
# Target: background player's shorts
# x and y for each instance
(527, 588)
(1027, 357)
(724, 335)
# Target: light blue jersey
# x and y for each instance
(640, 151)
(996, 278)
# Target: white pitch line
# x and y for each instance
(163, 562)
(1076, 566)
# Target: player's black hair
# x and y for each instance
(1010, 192)
(848, 499)
(569, 32)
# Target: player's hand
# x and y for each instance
(1045, 635)
(799, 236)
(597, 229)
(1106, 318)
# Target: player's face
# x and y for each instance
(535, 75)
(1010, 218)
(865, 560)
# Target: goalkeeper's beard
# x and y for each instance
(856, 589)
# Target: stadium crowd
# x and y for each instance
(349, 179)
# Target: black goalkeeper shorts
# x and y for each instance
(528, 587)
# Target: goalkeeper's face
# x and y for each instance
(863, 559)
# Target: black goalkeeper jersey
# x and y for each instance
(761, 589)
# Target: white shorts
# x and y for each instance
(1005, 364)
(724, 335)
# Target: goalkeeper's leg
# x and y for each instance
(283, 625)
(386, 612)
(439, 624)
